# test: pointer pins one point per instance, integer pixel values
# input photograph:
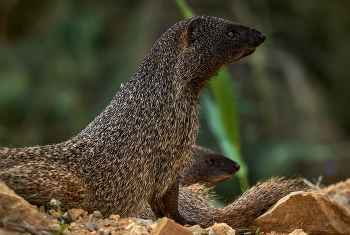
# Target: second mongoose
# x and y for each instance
(134, 151)
(207, 167)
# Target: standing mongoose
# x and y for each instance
(134, 151)
(207, 167)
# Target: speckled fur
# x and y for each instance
(207, 167)
(134, 151)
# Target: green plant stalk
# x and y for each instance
(222, 114)
(227, 147)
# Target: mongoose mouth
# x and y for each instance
(221, 179)
(249, 52)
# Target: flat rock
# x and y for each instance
(169, 227)
(314, 213)
(15, 209)
(75, 213)
(222, 229)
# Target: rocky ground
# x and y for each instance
(323, 211)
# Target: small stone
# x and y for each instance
(55, 213)
(67, 220)
(73, 225)
(139, 230)
(341, 199)
(56, 227)
(131, 225)
(51, 211)
(81, 226)
(169, 227)
(85, 215)
(41, 209)
(222, 229)
(115, 217)
(75, 213)
(92, 227)
(298, 232)
(65, 215)
(142, 221)
(152, 226)
(101, 232)
(97, 214)
(196, 229)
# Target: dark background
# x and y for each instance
(61, 62)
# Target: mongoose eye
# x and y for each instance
(232, 34)
(210, 162)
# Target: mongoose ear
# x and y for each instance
(191, 33)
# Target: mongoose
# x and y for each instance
(134, 151)
(207, 167)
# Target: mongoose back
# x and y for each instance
(207, 167)
(134, 151)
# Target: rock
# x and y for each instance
(196, 229)
(72, 225)
(143, 221)
(115, 217)
(298, 232)
(91, 227)
(41, 209)
(100, 232)
(97, 215)
(169, 227)
(3, 232)
(67, 220)
(75, 213)
(139, 230)
(312, 212)
(340, 192)
(15, 209)
(55, 213)
(222, 229)
(152, 226)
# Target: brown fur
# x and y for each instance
(134, 151)
(207, 167)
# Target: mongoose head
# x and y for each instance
(211, 43)
(207, 167)
(222, 40)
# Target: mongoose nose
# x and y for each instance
(262, 37)
(236, 166)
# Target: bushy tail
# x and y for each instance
(195, 203)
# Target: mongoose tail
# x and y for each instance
(207, 167)
(195, 203)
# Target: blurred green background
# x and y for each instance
(61, 62)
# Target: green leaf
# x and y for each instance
(185, 9)
(63, 227)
